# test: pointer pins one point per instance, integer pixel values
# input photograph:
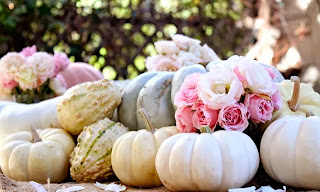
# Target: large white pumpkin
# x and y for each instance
(290, 151)
(207, 162)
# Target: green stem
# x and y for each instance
(293, 103)
(205, 129)
(147, 121)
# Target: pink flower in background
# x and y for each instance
(234, 117)
(11, 63)
(166, 47)
(207, 54)
(260, 107)
(204, 116)
(188, 93)
(161, 63)
(184, 42)
(43, 64)
(183, 118)
(28, 51)
(276, 100)
(61, 61)
(8, 82)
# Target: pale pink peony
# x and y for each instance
(253, 75)
(28, 51)
(58, 85)
(161, 63)
(219, 87)
(11, 63)
(166, 47)
(204, 116)
(276, 100)
(260, 107)
(184, 42)
(61, 62)
(183, 118)
(27, 77)
(188, 93)
(43, 64)
(234, 117)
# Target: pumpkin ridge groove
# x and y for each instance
(95, 141)
(222, 160)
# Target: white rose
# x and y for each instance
(219, 87)
(27, 78)
(207, 54)
(186, 58)
(58, 85)
(166, 47)
(11, 63)
(43, 64)
(255, 77)
(161, 63)
(184, 42)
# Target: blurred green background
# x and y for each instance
(115, 36)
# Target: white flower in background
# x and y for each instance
(195, 49)
(58, 85)
(11, 63)
(186, 58)
(184, 42)
(27, 78)
(166, 47)
(207, 54)
(161, 63)
(253, 75)
(219, 87)
(43, 64)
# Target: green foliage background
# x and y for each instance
(116, 36)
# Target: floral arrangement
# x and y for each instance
(234, 93)
(30, 76)
(181, 51)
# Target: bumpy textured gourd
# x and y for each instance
(87, 103)
(207, 162)
(37, 155)
(289, 151)
(133, 154)
(91, 158)
(16, 117)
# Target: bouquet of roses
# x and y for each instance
(30, 76)
(232, 94)
(181, 51)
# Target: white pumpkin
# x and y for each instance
(16, 117)
(290, 151)
(207, 162)
(133, 155)
(31, 157)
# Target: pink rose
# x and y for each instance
(183, 118)
(276, 100)
(161, 63)
(188, 93)
(204, 116)
(260, 107)
(234, 117)
(43, 64)
(8, 83)
(61, 62)
(28, 51)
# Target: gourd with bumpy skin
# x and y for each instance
(91, 158)
(289, 151)
(207, 162)
(37, 156)
(133, 155)
(297, 99)
(88, 103)
(16, 117)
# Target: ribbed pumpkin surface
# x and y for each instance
(91, 158)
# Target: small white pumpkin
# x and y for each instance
(207, 162)
(290, 151)
(133, 154)
(37, 156)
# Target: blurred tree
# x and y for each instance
(116, 36)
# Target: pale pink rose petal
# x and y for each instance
(161, 63)
(276, 100)
(204, 116)
(188, 93)
(241, 77)
(234, 117)
(9, 83)
(28, 51)
(166, 47)
(260, 107)
(183, 118)
(271, 72)
(61, 62)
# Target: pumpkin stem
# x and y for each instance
(205, 129)
(35, 136)
(147, 121)
(293, 103)
(309, 114)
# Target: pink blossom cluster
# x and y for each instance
(233, 93)
(181, 51)
(30, 69)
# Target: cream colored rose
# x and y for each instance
(184, 42)
(166, 47)
(27, 78)
(11, 63)
(207, 54)
(254, 75)
(161, 63)
(186, 58)
(43, 64)
(219, 87)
